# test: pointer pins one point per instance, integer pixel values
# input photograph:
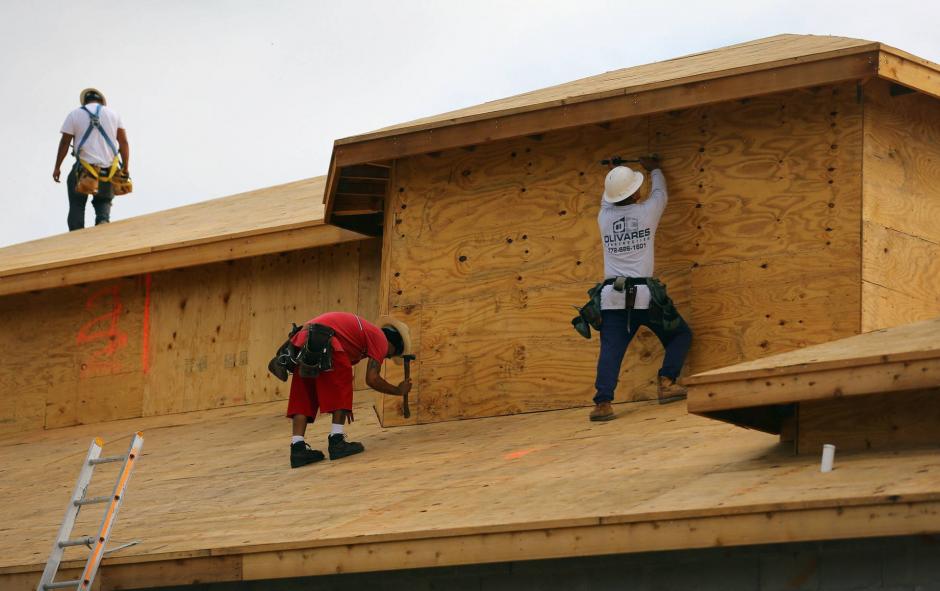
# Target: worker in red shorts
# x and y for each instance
(331, 391)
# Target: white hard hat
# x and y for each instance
(621, 182)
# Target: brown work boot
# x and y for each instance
(602, 412)
(669, 390)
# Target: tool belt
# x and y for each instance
(662, 311)
(90, 176)
(307, 360)
(316, 355)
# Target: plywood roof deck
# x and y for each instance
(284, 217)
(213, 498)
(888, 360)
(758, 54)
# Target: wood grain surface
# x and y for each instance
(192, 339)
(901, 207)
(487, 250)
(218, 484)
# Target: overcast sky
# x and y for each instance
(220, 97)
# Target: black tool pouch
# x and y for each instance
(284, 361)
(662, 310)
(317, 353)
(589, 315)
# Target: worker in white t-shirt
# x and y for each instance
(96, 150)
(628, 230)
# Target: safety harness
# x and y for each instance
(95, 123)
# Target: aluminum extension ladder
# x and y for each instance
(78, 500)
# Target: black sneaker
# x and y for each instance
(340, 448)
(301, 454)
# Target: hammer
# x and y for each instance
(404, 403)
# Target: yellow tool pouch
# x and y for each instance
(121, 183)
(87, 182)
(89, 178)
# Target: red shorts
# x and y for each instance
(329, 391)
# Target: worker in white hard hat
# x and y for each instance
(102, 157)
(631, 297)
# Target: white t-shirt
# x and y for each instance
(95, 151)
(628, 232)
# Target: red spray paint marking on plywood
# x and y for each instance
(145, 344)
(103, 327)
(515, 455)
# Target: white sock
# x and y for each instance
(336, 430)
(295, 438)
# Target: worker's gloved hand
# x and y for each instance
(650, 163)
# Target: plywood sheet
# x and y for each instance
(64, 346)
(653, 466)
(512, 214)
(272, 220)
(902, 161)
(759, 177)
(916, 341)
(874, 422)
(883, 307)
(780, 50)
(171, 342)
(901, 207)
(490, 248)
(199, 332)
(752, 309)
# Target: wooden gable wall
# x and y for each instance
(175, 341)
(487, 249)
(901, 215)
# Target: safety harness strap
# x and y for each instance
(95, 123)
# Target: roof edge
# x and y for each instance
(404, 129)
(164, 258)
(840, 519)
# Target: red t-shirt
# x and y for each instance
(358, 338)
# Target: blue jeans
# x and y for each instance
(77, 201)
(616, 336)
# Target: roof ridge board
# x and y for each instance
(403, 128)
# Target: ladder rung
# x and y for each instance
(107, 460)
(62, 584)
(83, 541)
(92, 501)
